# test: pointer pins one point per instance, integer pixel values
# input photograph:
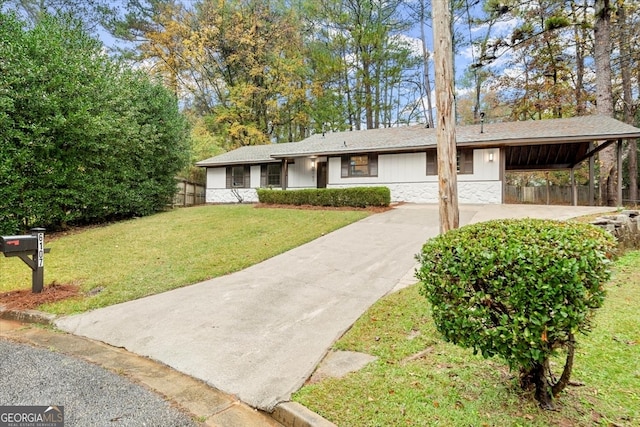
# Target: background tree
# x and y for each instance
(372, 60)
(540, 83)
(422, 16)
(604, 95)
(627, 60)
(91, 14)
(561, 59)
(265, 71)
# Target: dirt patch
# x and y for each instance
(24, 299)
(74, 229)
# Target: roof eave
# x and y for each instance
(550, 140)
(235, 163)
(344, 152)
(479, 144)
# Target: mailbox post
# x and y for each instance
(37, 277)
(23, 246)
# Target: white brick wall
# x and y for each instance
(482, 192)
(223, 195)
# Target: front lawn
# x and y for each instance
(419, 380)
(145, 256)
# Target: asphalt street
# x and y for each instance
(91, 396)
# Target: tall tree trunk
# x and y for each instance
(604, 96)
(580, 38)
(367, 86)
(347, 89)
(446, 124)
(633, 171)
(425, 65)
(377, 88)
(627, 97)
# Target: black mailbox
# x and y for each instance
(30, 249)
(11, 244)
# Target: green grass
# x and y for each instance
(449, 386)
(145, 256)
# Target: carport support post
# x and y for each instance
(37, 276)
(285, 173)
(591, 176)
(574, 189)
(619, 155)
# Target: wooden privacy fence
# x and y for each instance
(189, 194)
(557, 195)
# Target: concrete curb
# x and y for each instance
(288, 414)
(205, 404)
(27, 316)
(293, 414)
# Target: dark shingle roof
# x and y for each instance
(248, 154)
(410, 138)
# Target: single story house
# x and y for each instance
(404, 159)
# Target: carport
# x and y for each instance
(548, 145)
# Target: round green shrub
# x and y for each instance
(519, 289)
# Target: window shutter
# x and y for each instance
(247, 176)
(263, 175)
(373, 165)
(345, 166)
(229, 184)
(432, 162)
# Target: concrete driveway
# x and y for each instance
(259, 333)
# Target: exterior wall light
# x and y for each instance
(491, 157)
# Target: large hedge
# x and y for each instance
(83, 139)
(518, 289)
(359, 197)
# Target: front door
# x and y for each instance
(322, 175)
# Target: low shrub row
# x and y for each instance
(359, 197)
